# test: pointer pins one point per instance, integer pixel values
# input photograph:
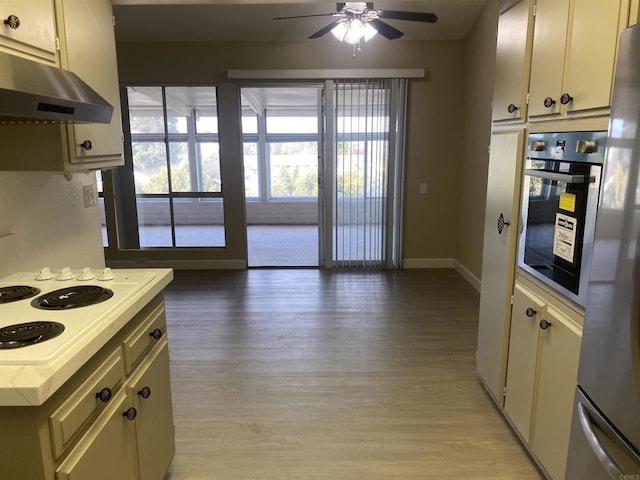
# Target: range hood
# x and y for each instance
(35, 92)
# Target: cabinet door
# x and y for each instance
(528, 311)
(512, 66)
(34, 28)
(557, 379)
(498, 264)
(90, 52)
(106, 451)
(592, 54)
(154, 423)
(547, 56)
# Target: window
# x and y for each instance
(281, 153)
(176, 166)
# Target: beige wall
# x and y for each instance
(48, 220)
(476, 128)
(434, 152)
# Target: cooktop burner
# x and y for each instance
(17, 292)
(25, 334)
(72, 297)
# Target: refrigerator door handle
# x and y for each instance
(603, 457)
(634, 321)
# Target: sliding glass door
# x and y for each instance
(365, 167)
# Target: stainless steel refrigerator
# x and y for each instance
(605, 433)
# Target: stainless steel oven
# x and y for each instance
(559, 205)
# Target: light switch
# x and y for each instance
(423, 188)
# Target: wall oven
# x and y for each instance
(560, 200)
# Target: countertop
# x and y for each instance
(31, 384)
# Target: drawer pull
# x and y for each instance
(12, 22)
(145, 392)
(530, 312)
(566, 99)
(86, 145)
(544, 324)
(104, 395)
(130, 414)
(549, 102)
(512, 108)
(156, 334)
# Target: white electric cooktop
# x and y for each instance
(78, 322)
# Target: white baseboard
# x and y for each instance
(181, 264)
(467, 275)
(428, 263)
(443, 263)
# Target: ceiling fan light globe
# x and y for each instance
(355, 32)
(369, 32)
(340, 31)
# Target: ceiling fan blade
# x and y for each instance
(326, 29)
(385, 29)
(307, 16)
(411, 16)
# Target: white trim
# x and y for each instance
(237, 264)
(324, 74)
(467, 275)
(428, 263)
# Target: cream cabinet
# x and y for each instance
(542, 368)
(87, 48)
(515, 29)
(112, 420)
(573, 56)
(498, 261)
(28, 29)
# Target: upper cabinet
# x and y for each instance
(86, 39)
(28, 29)
(573, 56)
(512, 65)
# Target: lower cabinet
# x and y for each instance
(151, 391)
(542, 368)
(107, 450)
(112, 420)
(139, 419)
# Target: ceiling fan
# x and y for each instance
(357, 20)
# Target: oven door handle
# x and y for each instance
(559, 177)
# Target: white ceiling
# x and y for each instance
(252, 20)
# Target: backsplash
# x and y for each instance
(50, 225)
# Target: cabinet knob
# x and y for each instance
(530, 312)
(144, 392)
(104, 395)
(12, 22)
(502, 223)
(156, 334)
(565, 99)
(512, 108)
(86, 145)
(549, 102)
(544, 324)
(130, 414)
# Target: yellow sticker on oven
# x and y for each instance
(568, 202)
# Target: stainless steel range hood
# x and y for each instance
(35, 92)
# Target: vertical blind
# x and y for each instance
(368, 153)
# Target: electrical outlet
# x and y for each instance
(90, 196)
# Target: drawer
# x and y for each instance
(151, 330)
(68, 419)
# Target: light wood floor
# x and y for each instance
(310, 374)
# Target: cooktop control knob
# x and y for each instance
(106, 274)
(44, 274)
(65, 274)
(86, 274)
(538, 145)
(586, 146)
